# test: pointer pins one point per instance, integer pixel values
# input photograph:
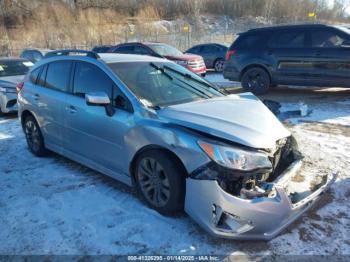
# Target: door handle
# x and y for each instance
(36, 97)
(317, 53)
(71, 109)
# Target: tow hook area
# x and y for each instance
(228, 222)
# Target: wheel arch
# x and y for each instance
(25, 114)
(149, 148)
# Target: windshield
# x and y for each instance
(159, 84)
(165, 50)
(344, 29)
(14, 67)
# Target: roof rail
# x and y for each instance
(67, 52)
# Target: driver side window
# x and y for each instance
(89, 78)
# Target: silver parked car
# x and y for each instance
(12, 72)
(150, 123)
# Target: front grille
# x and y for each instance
(195, 64)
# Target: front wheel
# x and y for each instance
(161, 181)
(256, 80)
(34, 137)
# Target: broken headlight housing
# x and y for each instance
(236, 158)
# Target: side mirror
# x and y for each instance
(97, 99)
(100, 99)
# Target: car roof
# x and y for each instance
(203, 44)
(281, 27)
(105, 57)
(119, 58)
(42, 50)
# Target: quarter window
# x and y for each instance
(57, 75)
(288, 40)
(89, 78)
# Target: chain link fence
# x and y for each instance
(181, 40)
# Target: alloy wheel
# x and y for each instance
(219, 65)
(32, 135)
(256, 81)
(153, 182)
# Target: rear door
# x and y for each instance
(331, 62)
(49, 96)
(91, 135)
(288, 54)
(210, 53)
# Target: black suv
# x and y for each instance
(308, 55)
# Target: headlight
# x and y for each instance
(236, 158)
(3, 89)
(182, 62)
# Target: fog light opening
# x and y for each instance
(228, 222)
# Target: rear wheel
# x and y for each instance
(34, 137)
(160, 181)
(219, 65)
(256, 80)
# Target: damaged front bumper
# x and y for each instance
(225, 215)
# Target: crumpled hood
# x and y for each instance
(11, 81)
(242, 119)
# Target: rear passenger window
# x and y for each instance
(290, 39)
(125, 49)
(141, 50)
(209, 49)
(89, 78)
(326, 39)
(57, 75)
(34, 75)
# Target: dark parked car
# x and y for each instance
(34, 54)
(308, 55)
(101, 48)
(194, 63)
(213, 55)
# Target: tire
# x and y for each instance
(219, 65)
(34, 137)
(160, 181)
(256, 80)
(203, 74)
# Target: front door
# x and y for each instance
(90, 134)
(331, 61)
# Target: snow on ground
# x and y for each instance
(52, 205)
(220, 81)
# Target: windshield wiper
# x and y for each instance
(190, 77)
(161, 69)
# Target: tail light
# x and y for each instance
(19, 87)
(229, 54)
